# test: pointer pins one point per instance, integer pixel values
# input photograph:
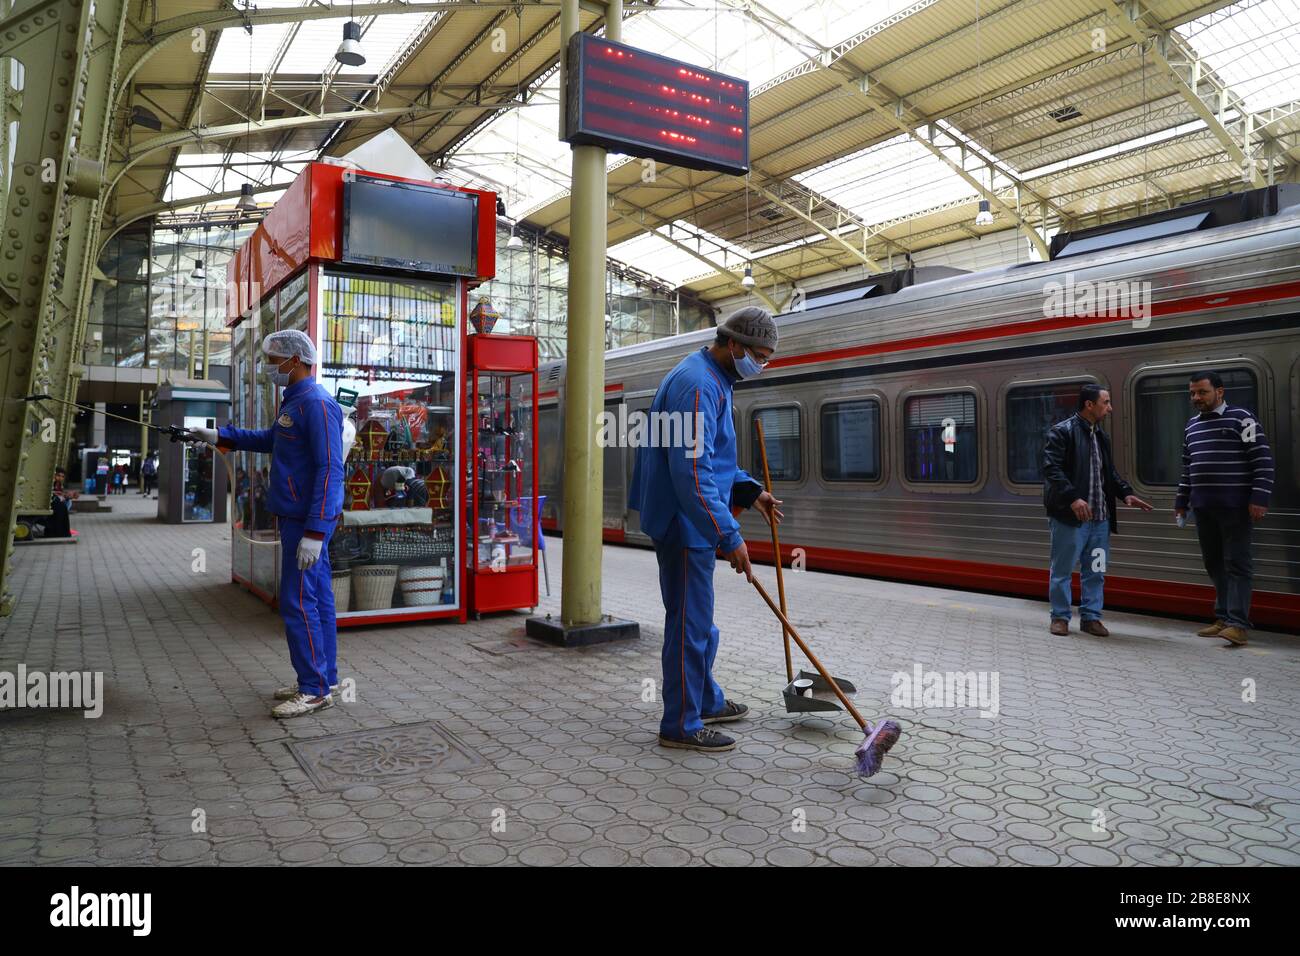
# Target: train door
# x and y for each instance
(615, 490)
(637, 405)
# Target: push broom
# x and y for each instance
(871, 752)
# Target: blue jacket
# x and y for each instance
(698, 484)
(306, 448)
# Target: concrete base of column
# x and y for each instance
(552, 630)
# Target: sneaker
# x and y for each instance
(704, 739)
(732, 711)
(1060, 627)
(299, 705)
(1211, 630)
(1233, 635)
(289, 691)
(1095, 628)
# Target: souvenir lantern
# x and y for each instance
(377, 270)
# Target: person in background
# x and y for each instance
(306, 494)
(116, 487)
(685, 495)
(1227, 481)
(1080, 485)
(58, 525)
(149, 472)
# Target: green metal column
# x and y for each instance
(584, 385)
(68, 50)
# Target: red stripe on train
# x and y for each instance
(1200, 303)
(1268, 608)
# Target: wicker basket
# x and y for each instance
(373, 586)
(420, 585)
(341, 581)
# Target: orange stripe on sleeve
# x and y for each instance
(695, 468)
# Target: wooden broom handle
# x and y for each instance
(776, 552)
(848, 705)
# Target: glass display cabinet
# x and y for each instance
(376, 269)
(501, 473)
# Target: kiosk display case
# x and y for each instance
(376, 270)
(501, 471)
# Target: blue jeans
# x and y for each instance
(690, 638)
(1089, 547)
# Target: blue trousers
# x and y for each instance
(690, 639)
(1071, 546)
(307, 606)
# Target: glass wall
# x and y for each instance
(163, 287)
(531, 291)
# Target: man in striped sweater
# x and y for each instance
(1227, 480)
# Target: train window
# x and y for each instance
(940, 440)
(1031, 411)
(781, 432)
(1163, 409)
(851, 440)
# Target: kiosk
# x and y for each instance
(376, 269)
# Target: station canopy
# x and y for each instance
(876, 128)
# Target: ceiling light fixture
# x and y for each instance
(985, 216)
(198, 275)
(349, 51)
(748, 280)
(246, 200)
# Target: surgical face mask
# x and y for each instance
(747, 366)
(273, 372)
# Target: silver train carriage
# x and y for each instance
(904, 431)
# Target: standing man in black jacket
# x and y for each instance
(1080, 486)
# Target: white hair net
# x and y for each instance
(288, 343)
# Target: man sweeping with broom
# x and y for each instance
(685, 493)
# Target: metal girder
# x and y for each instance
(476, 94)
(713, 264)
(215, 133)
(69, 50)
(807, 217)
(1184, 67)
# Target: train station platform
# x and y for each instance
(474, 745)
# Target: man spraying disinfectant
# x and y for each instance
(306, 445)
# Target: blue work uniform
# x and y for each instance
(685, 494)
(306, 494)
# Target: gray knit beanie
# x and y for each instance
(751, 325)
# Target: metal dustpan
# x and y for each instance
(796, 703)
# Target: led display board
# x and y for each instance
(642, 104)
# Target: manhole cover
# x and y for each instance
(378, 756)
(513, 645)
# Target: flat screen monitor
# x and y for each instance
(408, 226)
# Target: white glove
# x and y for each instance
(208, 435)
(308, 552)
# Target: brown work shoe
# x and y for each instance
(1095, 628)
(1234, 635)
(1211, 630)
(1060, 627)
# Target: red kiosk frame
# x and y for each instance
(377, 270)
